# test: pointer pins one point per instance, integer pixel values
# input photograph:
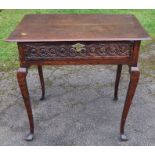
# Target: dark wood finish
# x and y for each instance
(76, 50)
(21, 77)
(61, 53)
(100, 27)
(118, 75)
(135, 53)
(134, 78)
(78, 40)
(40, 71)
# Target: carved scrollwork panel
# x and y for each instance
(60, 50)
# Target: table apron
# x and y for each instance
(65, 53)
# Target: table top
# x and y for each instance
(77, 27)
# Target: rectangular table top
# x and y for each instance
(77, 27)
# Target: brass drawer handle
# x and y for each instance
(78, 47)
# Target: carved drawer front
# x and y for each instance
(75, 50)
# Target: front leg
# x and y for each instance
(134, 78)
(21, 77)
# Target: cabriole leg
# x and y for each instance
(40, 71)
(21, 77)
(134, 78)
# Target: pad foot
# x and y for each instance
(123, 137)
(29, 137)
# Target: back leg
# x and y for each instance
(118, 75)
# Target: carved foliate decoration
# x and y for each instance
(59, 50)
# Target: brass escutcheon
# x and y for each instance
(78, 47)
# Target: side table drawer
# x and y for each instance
(75, 50)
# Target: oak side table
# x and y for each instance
(71, 39)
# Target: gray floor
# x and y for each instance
(79, 107)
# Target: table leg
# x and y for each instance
(21, 77)
(118, 75)
(40, 71)
(134, 78)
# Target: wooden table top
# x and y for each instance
(73, 27)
